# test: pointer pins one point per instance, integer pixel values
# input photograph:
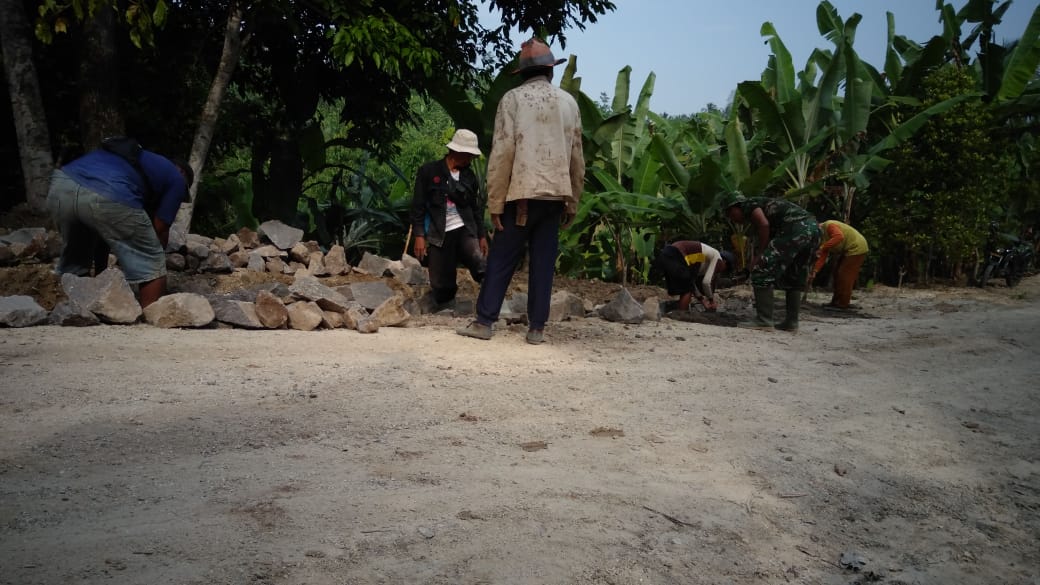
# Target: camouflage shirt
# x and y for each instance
(779, 212)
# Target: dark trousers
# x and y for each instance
(458, 246)
(541, 236)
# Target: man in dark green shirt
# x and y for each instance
(786, 238)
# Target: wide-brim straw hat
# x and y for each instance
(464, 141)
(535, 53)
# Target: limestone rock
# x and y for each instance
(300, 253)
(623, 309)
(275, 266)
(256, 263)
(198, 246)
(237, 313)
(107, 295)
(316, 264)
(565, 305)
(355, 315)
(282, 236)
(332, 320)
(228, 246)
(374, 265)
(69, 314)
(368, 326)
(248, 239)
(270, 311)
(390, 313)
(371, 294)
(409, 271)
(180, 310)
(217, 262)
(514, 309)
(24, 236)
(270, 252)
(652, 308)
(336, 261)
(175, 262)
(21, 311)
(177, 240)
(310, 288)
(304, 315)
(278, 289)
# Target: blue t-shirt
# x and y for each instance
(114, 178)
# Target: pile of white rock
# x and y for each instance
(307, 304)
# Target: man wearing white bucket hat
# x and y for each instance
(535, 176)
(447, 216)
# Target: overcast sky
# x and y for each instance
(700, 50)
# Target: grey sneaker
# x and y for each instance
(476, 330)
(535, 337)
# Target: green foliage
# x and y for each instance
(142, 17)
(943, 187)
(327, 120)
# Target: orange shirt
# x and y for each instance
(842, 239)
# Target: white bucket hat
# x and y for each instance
(464, 141)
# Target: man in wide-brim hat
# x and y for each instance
(535, 177)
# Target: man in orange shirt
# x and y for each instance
(850, 248)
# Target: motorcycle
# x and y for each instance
(1006, 257)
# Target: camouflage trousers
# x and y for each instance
(786, 260)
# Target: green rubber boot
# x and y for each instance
(794, 304)
(763, 310)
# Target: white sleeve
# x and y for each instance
(711, 260)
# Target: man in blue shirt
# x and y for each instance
(101, 196)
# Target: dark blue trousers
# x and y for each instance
(541, 237)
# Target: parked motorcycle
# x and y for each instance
(1006, 257)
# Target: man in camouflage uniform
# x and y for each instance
(786, 238)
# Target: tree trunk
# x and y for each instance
(99, 112)
(30, 119)
(233, 43)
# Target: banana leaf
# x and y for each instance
(621, 88)
(1024, 60)
(855, 113)
(739, 167)
(829, 23)
(893, 66)
(781, 63)
(645, 175)
(704, 186)
(767, 111)
(671, 169)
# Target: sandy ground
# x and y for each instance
(902, 440)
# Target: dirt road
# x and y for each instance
(902, 441)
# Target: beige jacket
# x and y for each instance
(536, 152)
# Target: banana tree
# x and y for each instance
(623, 199)
(803, 115)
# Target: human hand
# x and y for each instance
(566, 220)
(420, 247)
(496, 220)
(709, 304)
(483, 247)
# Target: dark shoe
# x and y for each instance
(535, 337)
(830, 307)
(476, 330)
